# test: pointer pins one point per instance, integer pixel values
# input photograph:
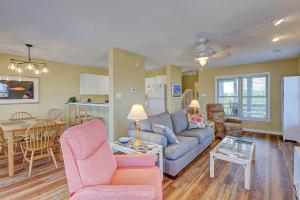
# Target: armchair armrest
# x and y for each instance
(150, 137)
(136, 160)
(236, 121)
(116, 192)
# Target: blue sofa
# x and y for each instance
(191, 142)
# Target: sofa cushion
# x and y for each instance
(195, 121)
(232, 126)
(165, 131)
(163, 118)
(174, 151)
(179, 121)
(202, 134)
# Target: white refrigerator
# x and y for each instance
(155, 89)
(291, 108)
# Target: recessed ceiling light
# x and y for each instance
(277, 22)
(275, 39)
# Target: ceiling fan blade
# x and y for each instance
(221, 54)
(188, 53)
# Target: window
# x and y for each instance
(3, 90)
(244, 96)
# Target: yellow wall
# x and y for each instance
(299, 65)
(158, 72)
(55, 88)
(123, 76)
(278, 69)
(174, 75)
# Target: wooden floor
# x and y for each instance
(271, 177)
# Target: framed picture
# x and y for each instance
(176, 90)
(19, 90)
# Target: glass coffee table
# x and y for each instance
(233, 150)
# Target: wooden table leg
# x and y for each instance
(10, 145)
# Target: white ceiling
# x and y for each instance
(80, 32)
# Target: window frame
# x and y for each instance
(239, 78)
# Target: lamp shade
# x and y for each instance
(137, 112)
(194, 104)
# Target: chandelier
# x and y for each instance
(20, 66)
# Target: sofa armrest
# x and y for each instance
(116, 192)
(136, 160)
(150, 137)
(236, 121)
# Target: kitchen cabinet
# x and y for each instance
(93, 84)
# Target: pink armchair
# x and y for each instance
(93, 172)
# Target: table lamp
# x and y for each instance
(194, 104)
(137, 113)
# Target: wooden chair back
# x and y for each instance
(55, 114)
(41, 135)
(20, 116)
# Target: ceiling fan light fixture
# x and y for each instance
(202, 60)
(277, 22)
(276, 39)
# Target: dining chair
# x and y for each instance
(55, 114)
(39, 140)
(20, 116)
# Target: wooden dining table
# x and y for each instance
(11, 129)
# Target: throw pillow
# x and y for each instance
(165, 131)
(196, 121)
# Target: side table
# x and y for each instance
(145, 148)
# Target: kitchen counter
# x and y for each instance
(91, 104)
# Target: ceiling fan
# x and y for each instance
(204, 50)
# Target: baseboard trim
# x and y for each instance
(262, 131)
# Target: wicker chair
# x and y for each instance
(39, 139)
(20, 116)
(55, 114)
(224, 126)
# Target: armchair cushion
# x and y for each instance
(91, 169)
(237, 121)
(137, 160)
(150, 137)
(81, 144)
(116, 192)
(139, 176)
(232, 126)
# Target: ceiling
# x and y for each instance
(80, 32)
